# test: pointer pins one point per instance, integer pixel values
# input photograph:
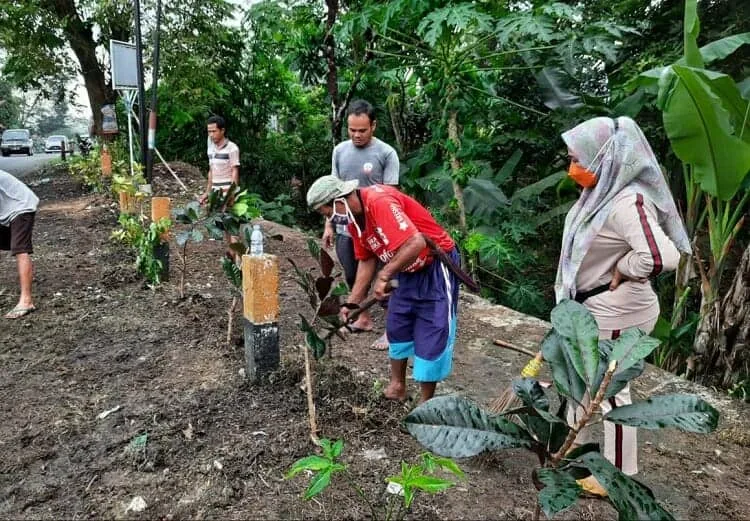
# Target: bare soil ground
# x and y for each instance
(217, 447)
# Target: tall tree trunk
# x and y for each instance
(458, 191)
(81, 39)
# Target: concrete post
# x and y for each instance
(106, 160)
(159, 210)
(260, 291)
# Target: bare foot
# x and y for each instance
(361, 325)
(395, 391)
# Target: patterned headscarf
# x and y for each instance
(619, 154)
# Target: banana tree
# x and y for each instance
(706, 120)
(581, 365)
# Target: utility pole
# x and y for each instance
(141, 88)
(154, 88)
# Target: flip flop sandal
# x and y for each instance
(381, 344)
(356, 330)
(19, 311)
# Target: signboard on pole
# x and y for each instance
(123, 65)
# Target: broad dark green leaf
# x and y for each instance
(566, 379)
(691, 28)
(531, 393)
(581, 450)
(483, 197)
(316, 344)
(683, 411)
(457, 428)
(576, 323)
(182, 238)
(620, 378)
(535, 189)
(304, 325)
(700, 132)
(560, 493)
(214, 231)
(556, 95)
(631, 499)
(720, 49)
(632, 345)
(508, 167)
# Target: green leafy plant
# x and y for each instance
(413, 479)
(87, 170)
(146, 261)
(144, 240)
(324, 296)
(581, 365)
(124, 182)
(222, 213)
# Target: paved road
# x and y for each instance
(19, 166)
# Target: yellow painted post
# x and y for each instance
(127, 203)
(159, 210)
(260, 296)
(106, 160)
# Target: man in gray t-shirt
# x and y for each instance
(370, 161)
(17, 210)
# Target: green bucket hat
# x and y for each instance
(327, 188)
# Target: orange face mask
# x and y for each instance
(582, 176)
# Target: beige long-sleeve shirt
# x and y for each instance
(632, 240)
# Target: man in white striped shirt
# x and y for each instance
(223, 167)
(223, 159)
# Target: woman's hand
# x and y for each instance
(618, 278)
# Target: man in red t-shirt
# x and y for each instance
(390, 226)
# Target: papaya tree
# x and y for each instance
(464, 58)
(581, 366)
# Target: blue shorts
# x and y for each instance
(422, 319)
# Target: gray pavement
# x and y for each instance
(19, 165)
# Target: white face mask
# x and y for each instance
(344, 218)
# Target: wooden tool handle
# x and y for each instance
(367, 304)
(513, 347)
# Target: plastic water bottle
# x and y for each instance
(256, 241)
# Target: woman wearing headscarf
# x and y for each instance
(623, 231)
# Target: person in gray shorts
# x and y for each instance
(18, 206)
(370, 161)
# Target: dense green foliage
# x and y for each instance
(473, 95)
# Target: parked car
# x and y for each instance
(16, 141)
(54, 144)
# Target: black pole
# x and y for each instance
(154, 88)
(141, 89)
